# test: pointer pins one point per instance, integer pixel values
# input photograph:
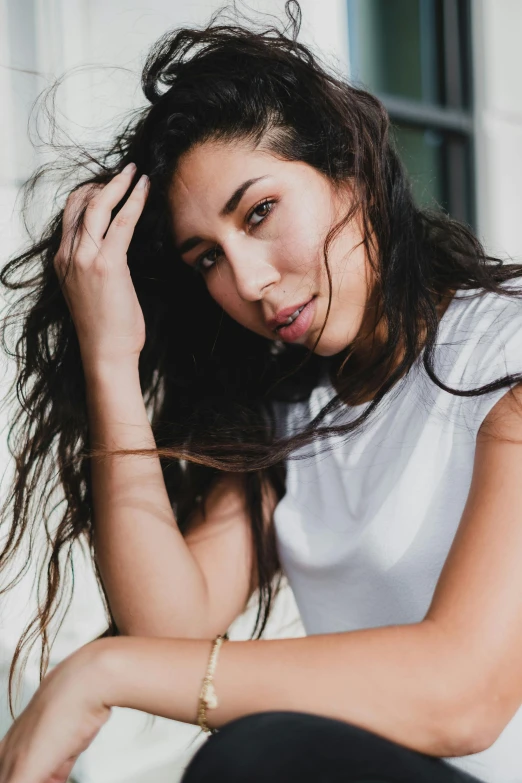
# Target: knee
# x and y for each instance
(249, 748)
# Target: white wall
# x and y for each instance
(498, 96)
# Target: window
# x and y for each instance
(415, 56)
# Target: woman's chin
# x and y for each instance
(325, 352)
(327, 346)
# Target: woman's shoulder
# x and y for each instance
(479, 308)
(480, 325)
(479, 344)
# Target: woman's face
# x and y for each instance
(254, 226)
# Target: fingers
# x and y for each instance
(119, 235)
(71, 232)
(98, 213)
(98, 202)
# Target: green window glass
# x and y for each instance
(396, 50)
(415, 56)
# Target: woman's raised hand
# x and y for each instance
(98, 288)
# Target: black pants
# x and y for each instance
(282, 747)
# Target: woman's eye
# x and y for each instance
(201, 265)
(204, 263)
(267, 206)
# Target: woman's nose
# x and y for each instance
(253, 274)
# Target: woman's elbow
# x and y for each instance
(465, 730)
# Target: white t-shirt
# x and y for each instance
(365, 526)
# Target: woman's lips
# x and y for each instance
(300, 325)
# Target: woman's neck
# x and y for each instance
(367, 349)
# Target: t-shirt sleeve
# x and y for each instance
(496, 353)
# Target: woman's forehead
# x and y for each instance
(210, 180)
(221, 161)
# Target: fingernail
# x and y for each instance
(143, 181)
(128, 168)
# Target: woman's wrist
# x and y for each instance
(92, 664)
(156, 675)
(103, 373)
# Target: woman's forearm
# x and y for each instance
(153, 582)
(402, 682)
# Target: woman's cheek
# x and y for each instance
(218, 286)
(223, 293)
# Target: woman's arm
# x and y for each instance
(157, 582)
(445, 686)
(400, 682)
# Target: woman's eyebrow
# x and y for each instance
(237, 195)
(230, 207)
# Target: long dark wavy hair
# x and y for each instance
(210, 393)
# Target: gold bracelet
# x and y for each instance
(207, 697)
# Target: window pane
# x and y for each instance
(396, 47)
(421, 153)
(439, 165)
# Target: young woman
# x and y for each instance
(247, 352)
